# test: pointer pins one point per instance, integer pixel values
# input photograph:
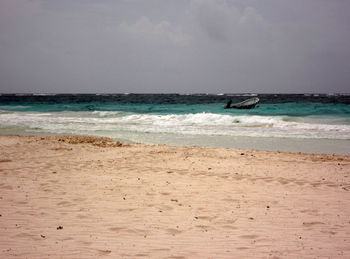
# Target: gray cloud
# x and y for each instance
(174, 46)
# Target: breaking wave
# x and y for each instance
(118, 123)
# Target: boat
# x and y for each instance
(246, 104)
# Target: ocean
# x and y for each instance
(318, 123)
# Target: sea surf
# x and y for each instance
(302, 123)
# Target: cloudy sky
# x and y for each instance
(184, 46)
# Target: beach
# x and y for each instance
(88, 197)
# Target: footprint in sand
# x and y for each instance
(5, 160)
(173, 231)
(116, 229)
(249, 236)
(104, 252)
(311, 224)
(7, 187)
(65, 204)
(229, 227)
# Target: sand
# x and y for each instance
(84, 197)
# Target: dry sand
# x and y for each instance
(83, 197)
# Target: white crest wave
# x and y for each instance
(114, 122)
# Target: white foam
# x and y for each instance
(206, 124)
(10, 107)
(107, 113)
(246, 95)
(43, 94)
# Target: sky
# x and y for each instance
(174, 46)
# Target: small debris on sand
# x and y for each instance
(96, 141)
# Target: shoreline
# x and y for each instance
(288, 145)
(117, 199)
(86, 139)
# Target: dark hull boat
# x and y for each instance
(247, 104)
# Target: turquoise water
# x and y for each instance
(288, 109)
(198, 120)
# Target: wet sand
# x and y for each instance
(84, 197)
